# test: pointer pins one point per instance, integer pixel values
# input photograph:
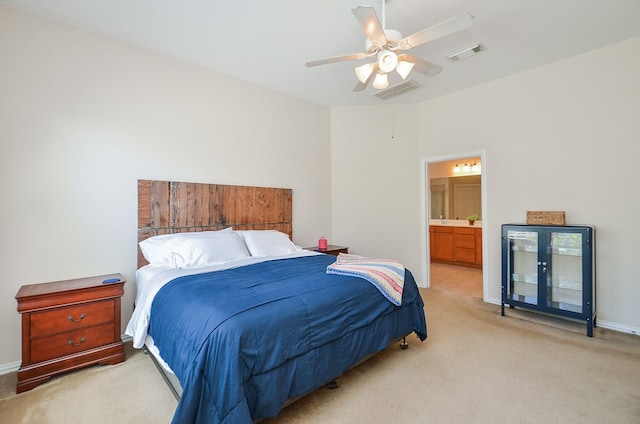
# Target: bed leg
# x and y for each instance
(404, 344)
(333, 384)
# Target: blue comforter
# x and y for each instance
(244, 340)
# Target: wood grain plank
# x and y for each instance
(160, 203)
(229, 205)
(144, 204)
(190, 205)
(201, 205)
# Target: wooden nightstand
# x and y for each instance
(67, 325)
(331, 249)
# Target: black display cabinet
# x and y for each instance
(551, 269)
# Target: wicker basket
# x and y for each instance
(545, 218)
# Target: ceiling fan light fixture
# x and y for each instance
(387, 61)
(385, 44)
(404, 68)
(380, 81)
(364, 72)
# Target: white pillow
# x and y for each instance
(195, 252)
(157, 250)
(268, 242)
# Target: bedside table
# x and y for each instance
(331, 249)
(67, 325)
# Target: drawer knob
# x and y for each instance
(82, 340)
(70, 318)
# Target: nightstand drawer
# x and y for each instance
(71, 318)
(45, 348)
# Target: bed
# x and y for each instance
(245, 319)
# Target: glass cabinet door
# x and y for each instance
(564, 276)
(523, 281)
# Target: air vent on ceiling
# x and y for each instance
(466, 52)
(397, 89)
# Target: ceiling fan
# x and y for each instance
(385, 45)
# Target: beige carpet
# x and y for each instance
(475, 367)
(130, 392)
(458, 279)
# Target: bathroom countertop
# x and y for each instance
(454, 223)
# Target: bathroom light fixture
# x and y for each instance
(467, 168)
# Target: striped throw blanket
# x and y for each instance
(385, 274)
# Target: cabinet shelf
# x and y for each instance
(569, 286)
(550, 269)
(527, 249)
(567, 251)
(527, 279)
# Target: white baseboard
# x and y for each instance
(617, 327)
(10, 367)
(599, 323)
(495, 301)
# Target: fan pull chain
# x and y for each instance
(392, 124)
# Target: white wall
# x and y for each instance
(376, 182)
(561, 137)
(83, 117)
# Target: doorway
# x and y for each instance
(449, 188)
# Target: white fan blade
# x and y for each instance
(455, 24)
(353, 56)
(422, 66)
(367, 17)
(362, 85)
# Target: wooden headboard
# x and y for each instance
(166, 207)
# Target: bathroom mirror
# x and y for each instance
(454, 196)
